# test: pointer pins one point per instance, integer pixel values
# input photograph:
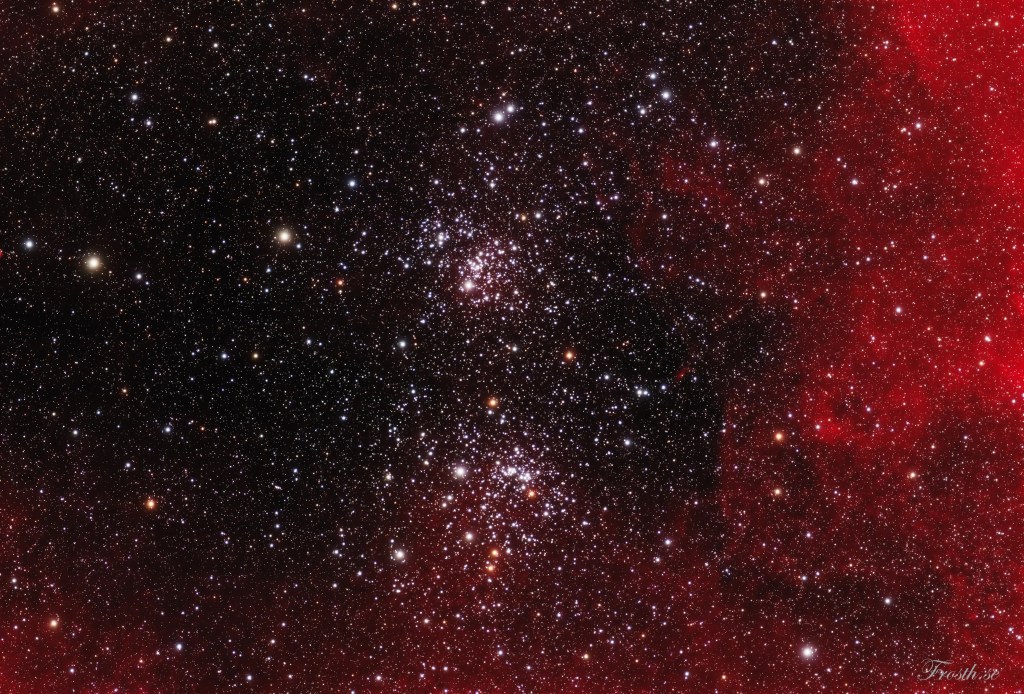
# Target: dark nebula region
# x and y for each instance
(479, 346)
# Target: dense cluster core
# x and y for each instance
(580, 346)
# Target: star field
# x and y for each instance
(468, 346)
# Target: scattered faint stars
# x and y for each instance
(547, 347)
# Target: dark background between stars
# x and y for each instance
(590, 346)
